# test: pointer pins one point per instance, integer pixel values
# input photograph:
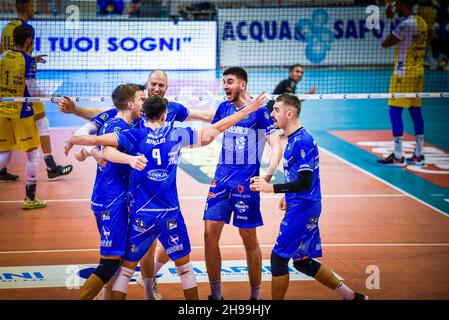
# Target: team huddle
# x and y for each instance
(135, 202)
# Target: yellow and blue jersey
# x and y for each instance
(16, 67)
(410, 50)
(7, 35)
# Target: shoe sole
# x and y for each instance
(392, 164)
(26, 208)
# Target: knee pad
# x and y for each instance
(187, 275)
(279, 265)
(32, 164)
(44, 126)
(307, 266)
(107, 269)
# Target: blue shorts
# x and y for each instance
(167, 226)
(112, 225)
(299, 235)
(225, 198)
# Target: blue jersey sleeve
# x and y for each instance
(265, 121)
(128, 140)
(181, 112)
(184, 136)
(305, 155)
(219, 113)
(100, 119)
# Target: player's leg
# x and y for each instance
(27, 139)
(280, 276)
(53, 170)
(185, 271)
(253, 259)
(141, 234)
(176, 242)
(105, 271)
(216, 214)
(147, 272)
(119, 6)
(247, 217)
(7, 144)
(112, 224)
(418, 123)
(124, 276)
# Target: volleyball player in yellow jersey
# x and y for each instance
(18, 129)
(25, 11)
(410, 38)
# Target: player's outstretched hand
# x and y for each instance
(312, 90)
(40, 59)
(259, 184)
(282, 204)
(138, 162)
(66, 105)
(257, 102)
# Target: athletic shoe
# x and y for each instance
(212, 298)
(29, 204)
(415, 160)
(59, 171)
(5, 176)
(359, 297)
(391, 160)
(156, 294)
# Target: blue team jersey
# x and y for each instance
(153, 190)
(175, 112)
(112, 181)
(243, 143)
(301, 153)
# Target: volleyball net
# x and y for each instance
(93, 46)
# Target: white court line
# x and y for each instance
(262, 246)
(386, 195)
(384, 181)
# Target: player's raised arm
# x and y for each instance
(208, 133)
(200, 115)
(67, 105)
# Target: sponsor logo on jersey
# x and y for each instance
(303, 154)
(157, 174)
(213, 184)
(173, 239)
(104, 116)
(105, 215)
(240, 188)
(241, 206)
(171, 224)
(106, 232)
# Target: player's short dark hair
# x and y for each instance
(21, 34)
(290, 100)
(291, 68)
(22, 5)
(240, 73)
(154, 107)
(124, 93)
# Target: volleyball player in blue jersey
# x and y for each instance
(299, 235)
(154, 207)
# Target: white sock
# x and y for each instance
(148, 288)
(345, 292)
(419, 144)
(398, 147)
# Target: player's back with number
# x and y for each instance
(7, 35)
(154, 189)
